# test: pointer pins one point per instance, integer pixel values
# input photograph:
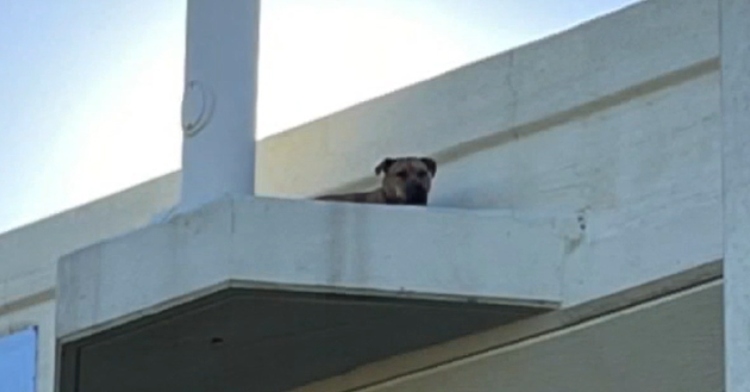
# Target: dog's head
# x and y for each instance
(407, 180)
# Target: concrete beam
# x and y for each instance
(252, 282)
(493, 257)
(735, 102)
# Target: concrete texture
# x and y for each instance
(495, 101)
(668, 345)
(218, 108)
(406, 252)
(735, 98)
(618, 120)
(424, 269)
(265, 341)
(527, 332)
(29, 255)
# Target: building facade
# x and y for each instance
(616, 123)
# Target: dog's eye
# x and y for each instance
(402, 174)
(422, 174)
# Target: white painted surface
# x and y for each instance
(618, 119)
(525, 334)
(667, 345)
(617, 122)
(28, 259)
(563, 79)
(735, 99)
(315, 246)
(220, 98)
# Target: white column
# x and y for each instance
(735, 106)
(218, 114)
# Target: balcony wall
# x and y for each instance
(617, 119)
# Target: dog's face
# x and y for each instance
(407, 180)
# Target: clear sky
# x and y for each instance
(91, 89)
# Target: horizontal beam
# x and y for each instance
(306, 246)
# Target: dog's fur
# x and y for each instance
(406, 181)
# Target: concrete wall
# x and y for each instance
(28, 258)
(617, 119)
(667, 345)
(661, 336)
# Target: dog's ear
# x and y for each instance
(384, 166)
(431, 165)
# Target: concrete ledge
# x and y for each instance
(446, 254)
(394, 278)
(522, 332)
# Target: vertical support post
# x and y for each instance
(219, 102)
(735, 107)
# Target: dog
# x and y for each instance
(406, 181)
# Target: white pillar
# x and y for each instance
(735, 106)
(218, 114)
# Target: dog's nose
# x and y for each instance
(416, 194)
(415, 187)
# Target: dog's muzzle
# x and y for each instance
(416, 194)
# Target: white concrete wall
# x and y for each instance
(667, 345)
(28, 258)
(617, 119)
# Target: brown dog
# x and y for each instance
(406, 181)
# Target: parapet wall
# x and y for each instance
(617, 119)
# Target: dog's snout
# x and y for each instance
(415, 187)
(416, 193)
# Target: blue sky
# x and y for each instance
(91, 89)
